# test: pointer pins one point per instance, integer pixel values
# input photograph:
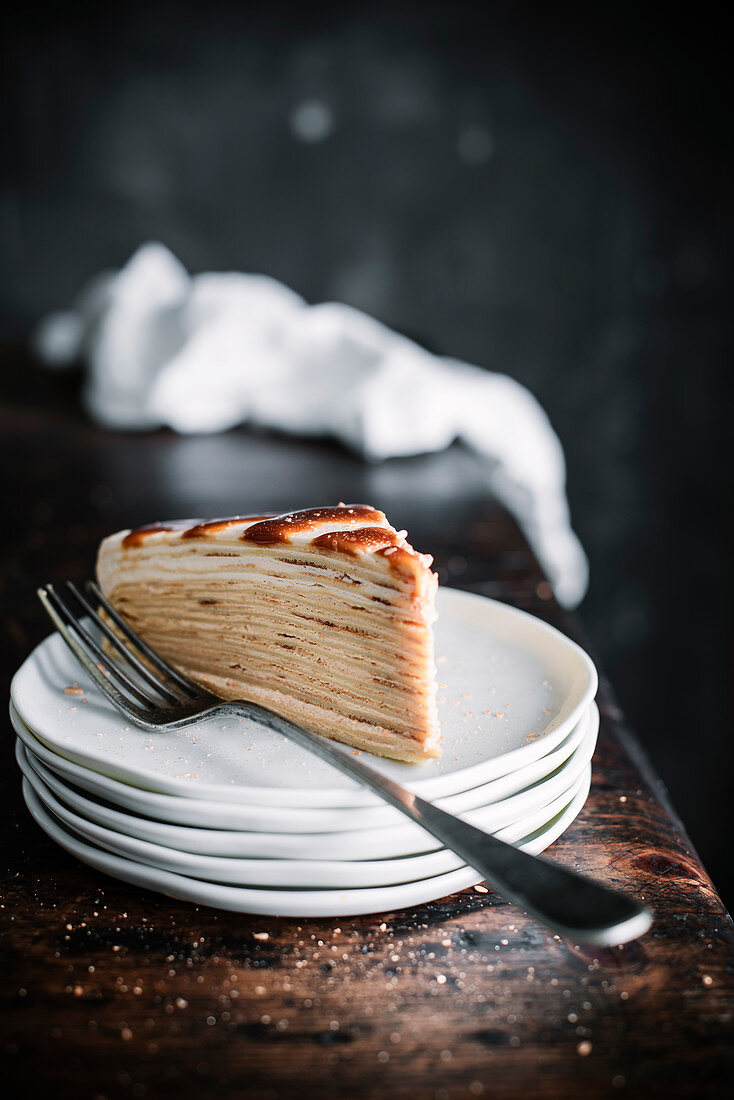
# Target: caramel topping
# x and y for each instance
(274, 529)
(280, 528)
(140, 534)
(212, 526)
(363, 540)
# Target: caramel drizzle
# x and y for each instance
(274, 529)
(140, 534)
(362, 540)
(280, 528)
(212, 526)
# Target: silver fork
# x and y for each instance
(579, 908)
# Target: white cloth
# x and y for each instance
(204, 353)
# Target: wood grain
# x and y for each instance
(110, 991)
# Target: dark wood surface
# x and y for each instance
(111, 991)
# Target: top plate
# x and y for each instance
(510, 689)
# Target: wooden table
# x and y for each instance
(110, 991)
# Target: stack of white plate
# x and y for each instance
(229, 814)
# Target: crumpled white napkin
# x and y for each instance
(204, 353)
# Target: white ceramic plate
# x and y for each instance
(291, 903)
(511, 689)
(174, 817)
(222, 843)
(306, 819)
(397, 840)
(281, 873)
(334, 820)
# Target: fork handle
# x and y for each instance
(579, 908)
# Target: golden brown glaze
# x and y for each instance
(140, 534)
(280, 528)
(276, 529)
(212, 526)
(363, 540)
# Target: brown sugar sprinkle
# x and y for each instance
(74, 689)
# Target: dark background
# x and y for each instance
(544, 190)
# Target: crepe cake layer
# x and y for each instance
(323, 616)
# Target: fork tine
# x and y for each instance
(105, 665)
(110, 690)
(175, 696)
(140, 645)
